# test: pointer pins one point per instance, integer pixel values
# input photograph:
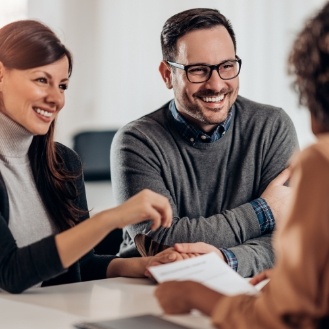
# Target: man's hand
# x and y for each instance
(167, 256)
(277, 195)
(197, 248)
(137, 267)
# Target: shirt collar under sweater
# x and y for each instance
(193, 134)
(15, 140)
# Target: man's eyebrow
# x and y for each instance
(223, 61)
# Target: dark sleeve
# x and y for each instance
(21, 268)
(92, 266)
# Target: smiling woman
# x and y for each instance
(46, 235)
(38, 95)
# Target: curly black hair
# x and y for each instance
(309, 64)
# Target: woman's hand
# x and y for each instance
(173, 296)
(258, 278)
(145, 205)
(137, 267)
(177, 297)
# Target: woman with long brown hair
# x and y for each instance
(46, 235)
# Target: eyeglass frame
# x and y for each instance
(212, 68)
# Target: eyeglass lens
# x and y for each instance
(201, 73)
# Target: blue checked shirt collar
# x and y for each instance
(193, 134)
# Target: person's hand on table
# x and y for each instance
(178, 297)
(197, 248)
(137, 267)
(166, 256)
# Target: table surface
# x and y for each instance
(59, 307)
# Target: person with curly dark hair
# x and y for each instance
(297, 295)
(309, 62)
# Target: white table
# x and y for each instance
(59, 307)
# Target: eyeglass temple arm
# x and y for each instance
(180, 66)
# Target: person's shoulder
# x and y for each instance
(65, 150)
(315, 156)
(69, 156)
(318, 150)
(250, 106)
(272, 116)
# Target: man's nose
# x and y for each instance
(215, 81)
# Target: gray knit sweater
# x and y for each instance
(209, 185)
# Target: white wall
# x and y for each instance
(116, 48)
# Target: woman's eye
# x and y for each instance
(42, 80)
(63, 86)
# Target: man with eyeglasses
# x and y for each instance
(217, 156)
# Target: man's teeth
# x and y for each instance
(213, 99)
(43, 113)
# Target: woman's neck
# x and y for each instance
(15, 140)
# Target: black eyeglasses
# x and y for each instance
(198, 73)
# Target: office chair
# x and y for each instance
(93, 147)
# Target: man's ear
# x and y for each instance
(165, 72)
(2, 69)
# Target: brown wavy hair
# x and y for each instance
(27, 44)
(309, 64)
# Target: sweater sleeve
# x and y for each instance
(132, 171)
(297, 295)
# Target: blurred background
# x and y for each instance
(116, 51)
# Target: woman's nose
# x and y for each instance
(55, 96)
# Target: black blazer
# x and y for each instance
(21, 268)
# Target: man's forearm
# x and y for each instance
(254, 256)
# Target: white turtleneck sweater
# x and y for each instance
(28, 218)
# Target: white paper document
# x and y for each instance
(208, 269)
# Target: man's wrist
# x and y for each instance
(264, 215)
(230, 258)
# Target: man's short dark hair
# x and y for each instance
(187, 21)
